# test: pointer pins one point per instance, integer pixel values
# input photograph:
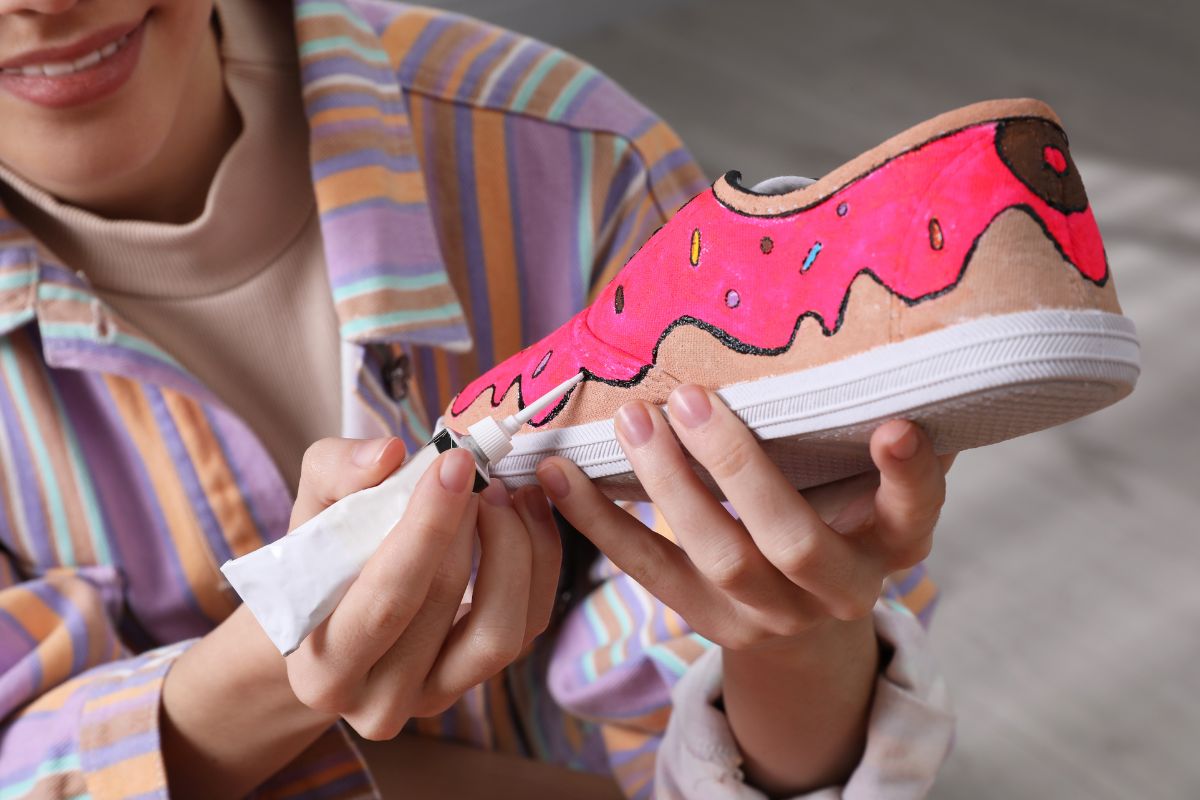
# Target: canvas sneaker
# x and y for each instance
(953, 275)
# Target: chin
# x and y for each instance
(91, 153)
(81, 161)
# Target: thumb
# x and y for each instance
(334, 468)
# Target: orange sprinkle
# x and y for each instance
(936, 239)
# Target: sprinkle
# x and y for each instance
(732, 298)
(542, 364)
(811, 257)
(936, 239)
(695, 255)
(766, 245)
(619, 299)
(842, 209)
(1054, 158)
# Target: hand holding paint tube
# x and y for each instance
(294, 583)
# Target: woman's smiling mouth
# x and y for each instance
(54, 69)
(76, 74)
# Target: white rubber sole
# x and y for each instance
(971, 384)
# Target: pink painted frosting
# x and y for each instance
(912, 222)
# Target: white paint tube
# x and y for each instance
(293, 584)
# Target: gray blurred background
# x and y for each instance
(1069, 560)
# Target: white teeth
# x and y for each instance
(68, 67)
(54, 70)
(91, 59)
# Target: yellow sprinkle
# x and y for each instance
(695, 247)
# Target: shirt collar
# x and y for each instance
(386, 269)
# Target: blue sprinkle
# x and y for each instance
(811, 257)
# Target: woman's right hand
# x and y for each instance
(397, 646)
(400, 644)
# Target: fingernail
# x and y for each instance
(457, 470)
(905, 445)
(690, 405)
(634, 424)
(368, 452)
(554, 481)
(496, 494)
(535, 503)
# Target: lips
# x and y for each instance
(77, 74)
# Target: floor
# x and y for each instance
(1069, 560)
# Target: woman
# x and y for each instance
(227, 234)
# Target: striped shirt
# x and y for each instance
(475, 187)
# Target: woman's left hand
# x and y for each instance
(788, 564)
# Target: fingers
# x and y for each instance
(493, 634)
(650, 559)
(715, 542)
(831, 500)
(912, 489)
(384, 598)
(787, 531)
(334, 468)
(391, 690)
(417, 654)
(546, 547)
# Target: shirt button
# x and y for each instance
(398, 376)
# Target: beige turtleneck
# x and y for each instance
(240, 295)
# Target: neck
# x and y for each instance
(173, 186)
